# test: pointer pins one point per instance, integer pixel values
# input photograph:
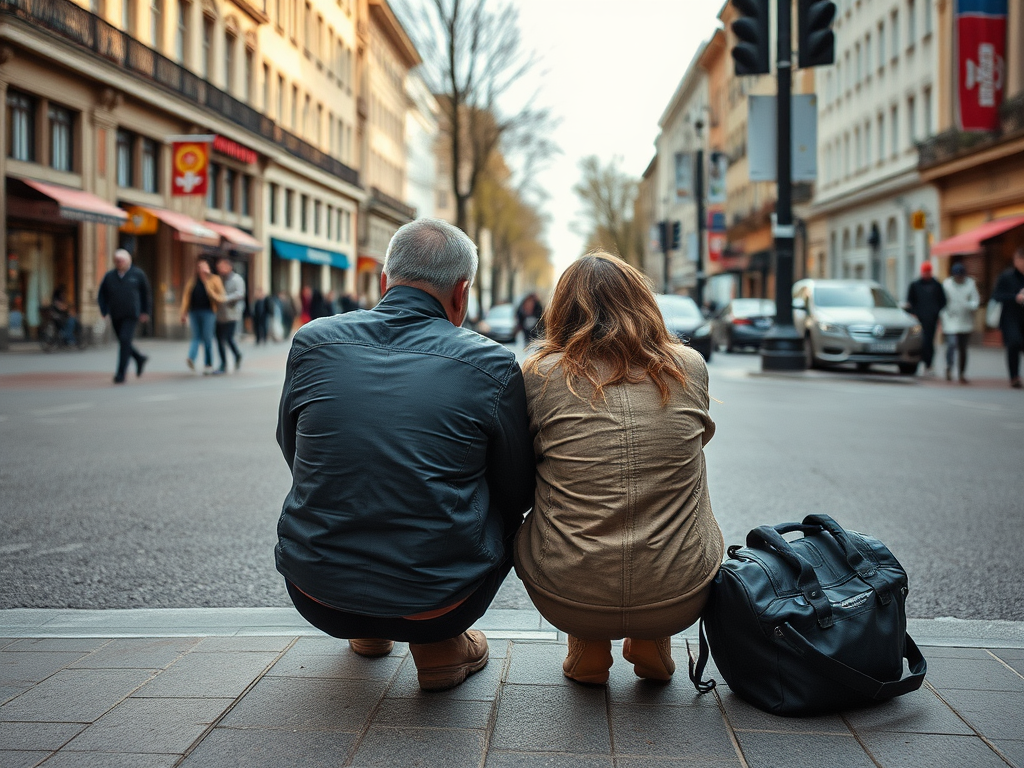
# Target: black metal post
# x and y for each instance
(699, 190)
(783, 350)
(666, 249)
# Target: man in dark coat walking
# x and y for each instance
(1009, 291)
(926, 298)
(124, 295)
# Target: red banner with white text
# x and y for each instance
(981, 62)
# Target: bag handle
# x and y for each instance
(864, 568)
(850, 677)
(765, 536)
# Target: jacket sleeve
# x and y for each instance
(101, 298)
(237, 292)
(912, 298)
(215, 289)
(511, 472)
(1004, 289)
(973, 299)
(286, 423)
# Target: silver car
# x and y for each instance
(855, 321)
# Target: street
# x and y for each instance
(165, 492)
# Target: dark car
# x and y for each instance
(743, 323)
(499, 323)
(683, 318)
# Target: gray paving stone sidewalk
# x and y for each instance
(304, 700)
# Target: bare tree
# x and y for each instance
(607, 195)
(472, 56)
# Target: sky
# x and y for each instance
(608, 69)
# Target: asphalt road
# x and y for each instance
(165, 492)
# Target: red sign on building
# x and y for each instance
(981, 63)
(233, 149)
(190, 167)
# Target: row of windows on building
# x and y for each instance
(291, 17)
(25, 142)
(310, 217)
(386, 175)
(297, 111)
(856, 151)
(386, 120)
(858, 60)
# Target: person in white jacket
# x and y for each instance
(962, 301)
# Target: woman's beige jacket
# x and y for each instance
(621, 518)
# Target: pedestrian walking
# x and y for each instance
(286, 308)
(402, 529)
(1009, 291)
(124, 295)
(528, 316)
(261, 312)
(926, 299)
(229, 313)
(203, 292)
(621, 542)
(962, 301)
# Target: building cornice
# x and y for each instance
(989, 154)
(841, 199)
(392, 28)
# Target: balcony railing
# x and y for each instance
(953, 143)
(380, 198)
(77, 25)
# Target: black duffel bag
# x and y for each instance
(810, 626)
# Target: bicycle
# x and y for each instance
(61, 331)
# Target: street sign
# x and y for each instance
(761, 141)
(918, 220)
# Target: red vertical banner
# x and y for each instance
(981, 62)
(190, 165)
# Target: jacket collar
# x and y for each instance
(413, 300)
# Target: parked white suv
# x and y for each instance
(855, 321)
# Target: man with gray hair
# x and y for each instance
(412, 464)
(124, 295)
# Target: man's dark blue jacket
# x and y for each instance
(411, 458)
(124, 297)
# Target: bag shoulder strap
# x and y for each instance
(697, 670)
(850, 677)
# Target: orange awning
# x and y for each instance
(971, 242)
(186, 229)
(236, 239)
(78, 205)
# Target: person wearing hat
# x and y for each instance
(962, 302)
(926, 300)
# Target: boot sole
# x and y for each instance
(450, 677)
(374, 654)
(601, 679)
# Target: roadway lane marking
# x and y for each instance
(978, 406)
(59, 409)
(10, 549)
(58, 550)
(158, 398)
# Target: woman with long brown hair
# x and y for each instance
(621, 542)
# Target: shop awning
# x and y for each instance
(78, 205)
(185, 228)
(367, 264)
(971, 242)
(236, 239)
(296, 252)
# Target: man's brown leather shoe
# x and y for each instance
(588, 661)
(371, 646)
(651, 659)
(446, 664)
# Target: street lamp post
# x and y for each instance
(698, 127)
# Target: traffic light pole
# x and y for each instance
(782, 349)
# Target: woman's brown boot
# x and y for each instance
(651, 659)
(588, 661)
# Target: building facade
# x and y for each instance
(979, 176)
(875, 105)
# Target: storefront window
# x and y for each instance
(229, 189)
(21, 132)
(125, 170)
(150, 166)
(212, 191)
(61, 138)
(246, 195)
(39, 264)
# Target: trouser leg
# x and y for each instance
(125, 330)
(963, 341)
(229, 339)
(1013, 352)
(951, 346)
(221, 343)
(928, 343)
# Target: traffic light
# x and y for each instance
(816, 41)
(663, 235)
(752, 28)
(675, 235)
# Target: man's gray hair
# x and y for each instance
(121, 253)
(431, 251)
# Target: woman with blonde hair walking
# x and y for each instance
(621, 542)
